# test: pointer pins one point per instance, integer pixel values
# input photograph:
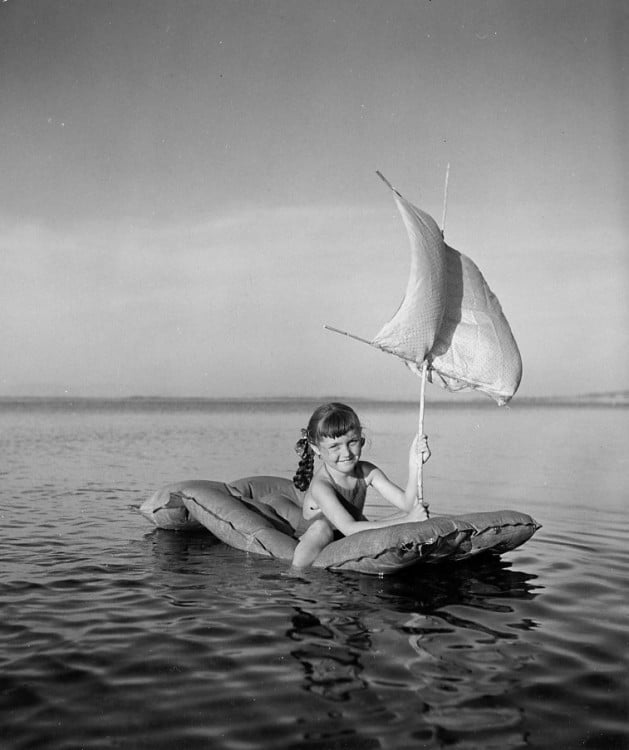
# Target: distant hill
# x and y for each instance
(606, 398)
(618, 399)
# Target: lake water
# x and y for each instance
(116, 635)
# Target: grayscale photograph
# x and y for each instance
(314, 391)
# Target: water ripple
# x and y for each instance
(119, 636)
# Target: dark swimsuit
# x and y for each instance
(352, 500)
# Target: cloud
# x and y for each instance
(81, 300)
(235, 303)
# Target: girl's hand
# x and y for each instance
(419, 450)
(416, 514)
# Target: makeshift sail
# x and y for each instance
(449, 328)
(449, 317)
(412, 331)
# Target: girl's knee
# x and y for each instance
(318, 536)
(321, 532)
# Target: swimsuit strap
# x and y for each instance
(359, 491)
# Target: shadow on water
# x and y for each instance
(475, 583)
(179, 552)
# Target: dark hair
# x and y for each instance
(329, 420)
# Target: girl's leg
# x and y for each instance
(318, 535)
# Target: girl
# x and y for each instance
(336, 493)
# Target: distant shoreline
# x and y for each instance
(618, 399)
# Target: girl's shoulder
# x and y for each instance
(320, 478)
(366, 470)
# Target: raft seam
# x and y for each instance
(515, 524)
(393, 547)
(247, 537)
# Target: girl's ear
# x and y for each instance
(316, 450)
(362, 442)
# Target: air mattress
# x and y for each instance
(260, 514)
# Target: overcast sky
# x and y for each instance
(189, 193)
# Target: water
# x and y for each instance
(116, 635)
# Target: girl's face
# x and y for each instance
(341, 453)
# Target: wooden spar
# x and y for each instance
(445, 201)
(424, 370)
(386, 182)
(366, 341)
(420, 432)
(351, 335)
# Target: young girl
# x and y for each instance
(336, 493)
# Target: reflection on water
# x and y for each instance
(174, 552)
(433, 655)
(465, 668)
(442, 656)
(330, 654)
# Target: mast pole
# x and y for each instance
(420, 431)
(445, 201)
(424, 371)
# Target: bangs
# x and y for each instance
(339, 420)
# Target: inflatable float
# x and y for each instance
(449, 329)
(260, 514)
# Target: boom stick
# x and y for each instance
(366, 341)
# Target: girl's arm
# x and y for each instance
(405, 499)
(309, 508)
(325, 498)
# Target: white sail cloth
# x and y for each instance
(450, 317)
(412, 331)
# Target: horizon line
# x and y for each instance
(467, 398)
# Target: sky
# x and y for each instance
(189, 193)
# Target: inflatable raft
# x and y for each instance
(260, 514)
